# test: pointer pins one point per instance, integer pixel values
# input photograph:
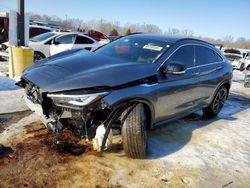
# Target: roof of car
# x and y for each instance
(76, 33)
(168, 38)
(39, 26)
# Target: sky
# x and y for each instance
(208, 18)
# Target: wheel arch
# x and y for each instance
(40, 53)
(227, 84)
(148, 106)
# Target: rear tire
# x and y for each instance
(218, 102)
(134, 133)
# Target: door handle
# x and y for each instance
(180, 72)
(195, 73)
(219, 68)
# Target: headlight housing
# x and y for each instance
(71, 101)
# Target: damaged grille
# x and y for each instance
(33, 93)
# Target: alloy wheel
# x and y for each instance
(219, 100)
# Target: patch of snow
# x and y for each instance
(7, 84)
(4, 68)
(238, 84)
(12, 101)
(16, 130)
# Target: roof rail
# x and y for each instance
(198, 40)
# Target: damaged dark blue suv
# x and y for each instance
(127, 87)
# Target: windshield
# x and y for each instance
(42, 37)
(135, 49)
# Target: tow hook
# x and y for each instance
(55, 126)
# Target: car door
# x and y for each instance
(84, 42)
(176, 92)
(62, 43)
(210, 66)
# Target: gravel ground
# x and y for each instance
(190, 152)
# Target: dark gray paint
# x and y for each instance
(170, 96)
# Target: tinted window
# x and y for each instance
(66, 39)
(183, 56)
(219, 58)
(205, 56)
(42, 37)
(83, 40)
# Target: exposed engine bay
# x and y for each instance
(86, 123)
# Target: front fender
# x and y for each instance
(136, 94)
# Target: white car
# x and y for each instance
(240, 60)
(243, 63)
(51, 43)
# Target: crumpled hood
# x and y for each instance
(79, 69)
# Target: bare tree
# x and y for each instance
(107, 26)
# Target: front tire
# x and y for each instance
(217, 104)
(134, 133)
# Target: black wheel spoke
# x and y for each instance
(218, 102)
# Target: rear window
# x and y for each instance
(205, 55)
(135, 49)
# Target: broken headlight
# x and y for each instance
(75, 100)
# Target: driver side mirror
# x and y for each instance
(174, 69)
(55, 42)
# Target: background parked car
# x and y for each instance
(52, 43)
(239, 60)
(99, 36)
(4, 29)
(34, 30)
(37, 30)
(243, 63)
(233, 55)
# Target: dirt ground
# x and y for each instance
(190, 152)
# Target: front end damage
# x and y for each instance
(84, 113)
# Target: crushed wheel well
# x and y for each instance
(148, 115)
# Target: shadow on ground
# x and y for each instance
(163, 140)
(4, 151)
(172, 136)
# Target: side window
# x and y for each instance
(67, 39)
(205, 56)
(83, 40)
(217, 57)
(183, 56)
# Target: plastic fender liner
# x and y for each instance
(114, 115)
